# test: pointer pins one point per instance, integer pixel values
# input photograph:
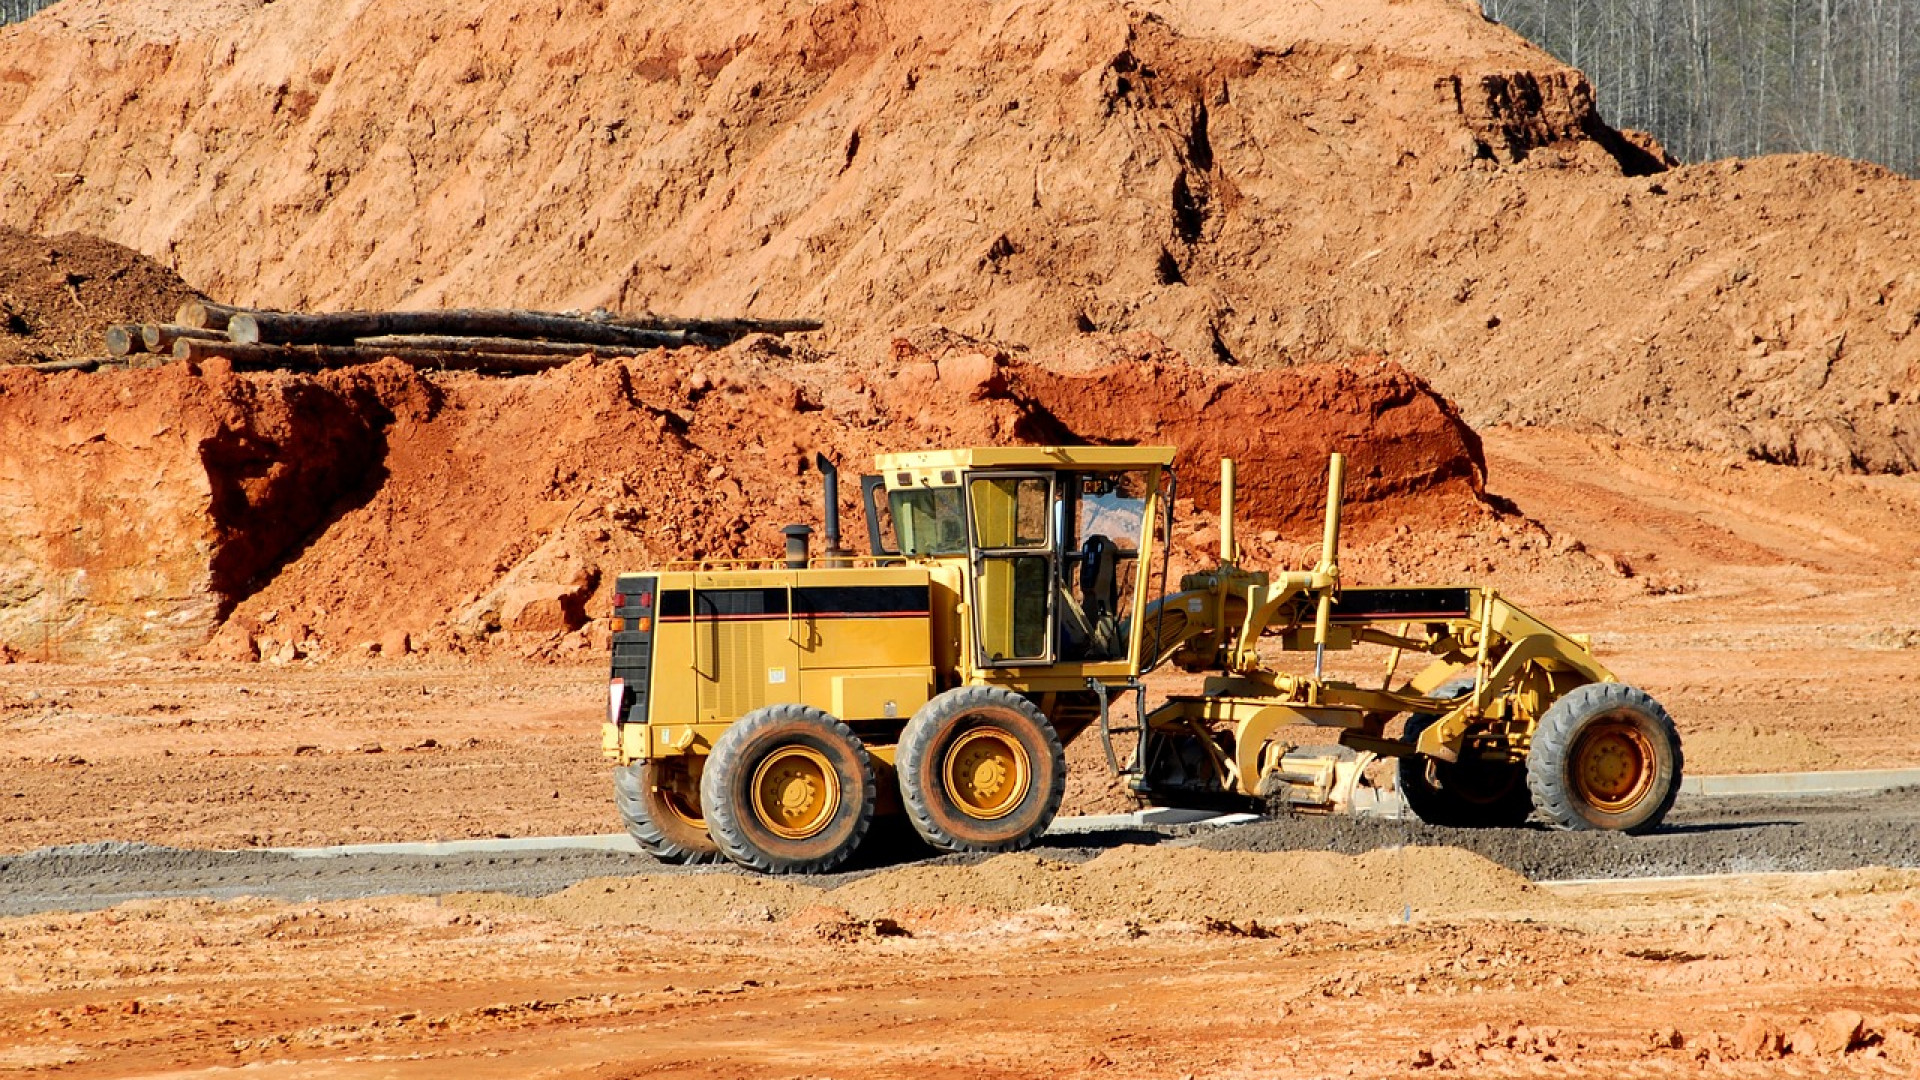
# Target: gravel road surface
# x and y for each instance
(1702, 836)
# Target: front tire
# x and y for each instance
(981, 769)
(1605, 757)
(788, 789)
(661, 809)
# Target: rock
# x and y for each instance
(1759, 1039)
(232, 642)
(972, 373)
(1840, 1031)
(540, 606)
(396, 643)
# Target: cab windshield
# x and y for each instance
(929, 521)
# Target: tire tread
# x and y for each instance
(723, 821)
(629, 794)
(915, 746)
(1553, 740)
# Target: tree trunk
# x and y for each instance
(256, 357)
(205, 315)
(161, 336)
(469, 345)
(82, 363)
(281, 327)
(124, 339)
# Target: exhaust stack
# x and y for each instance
(835, 555)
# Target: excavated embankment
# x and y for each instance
(140, 510)
(1270, 183)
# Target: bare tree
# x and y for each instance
(1716, 77)
(12, 11)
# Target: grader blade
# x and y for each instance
(1320, 780)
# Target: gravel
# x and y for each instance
(1702, 836)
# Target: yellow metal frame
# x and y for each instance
(1216, 622)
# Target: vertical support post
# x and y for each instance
(1229, 548)
(1329, 568)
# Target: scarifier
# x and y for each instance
(1010, 601)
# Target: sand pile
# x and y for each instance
(1150, 884)
(143, 510)
(58, 294)
(1265, 183)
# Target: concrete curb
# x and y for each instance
(1856, 782)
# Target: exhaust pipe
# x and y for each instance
(835, 555)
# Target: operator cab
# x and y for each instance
(1053, 539)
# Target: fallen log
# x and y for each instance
(289, 328)
(123, 339)
(470, 345)
(161, 336)
(80, 363)
(205, 315)
(732, 329)
(246, 356)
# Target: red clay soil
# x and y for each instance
(139, 509)
(717, 974)
(57, 295)
(1269, 182)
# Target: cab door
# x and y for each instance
(1013, 543)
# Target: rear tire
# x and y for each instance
(788, 789)
(981, 769)
(1605, 757)
(660, 816)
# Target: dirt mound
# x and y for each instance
(1265, 183)
(58, 295)
(138, 509)
(1148, 884)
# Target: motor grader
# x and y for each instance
(1015, 598)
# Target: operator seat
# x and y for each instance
(1099, 578)
(1099, 588)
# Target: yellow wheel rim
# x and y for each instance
(987, 773)
(795, 792)
(676, 805)
(1613, 764)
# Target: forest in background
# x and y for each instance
(12, 11)
(1736, 78)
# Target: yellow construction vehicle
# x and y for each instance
(1010, 599)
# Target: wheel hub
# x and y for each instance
(987, 773)
(795, 792)
(1613, 764)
